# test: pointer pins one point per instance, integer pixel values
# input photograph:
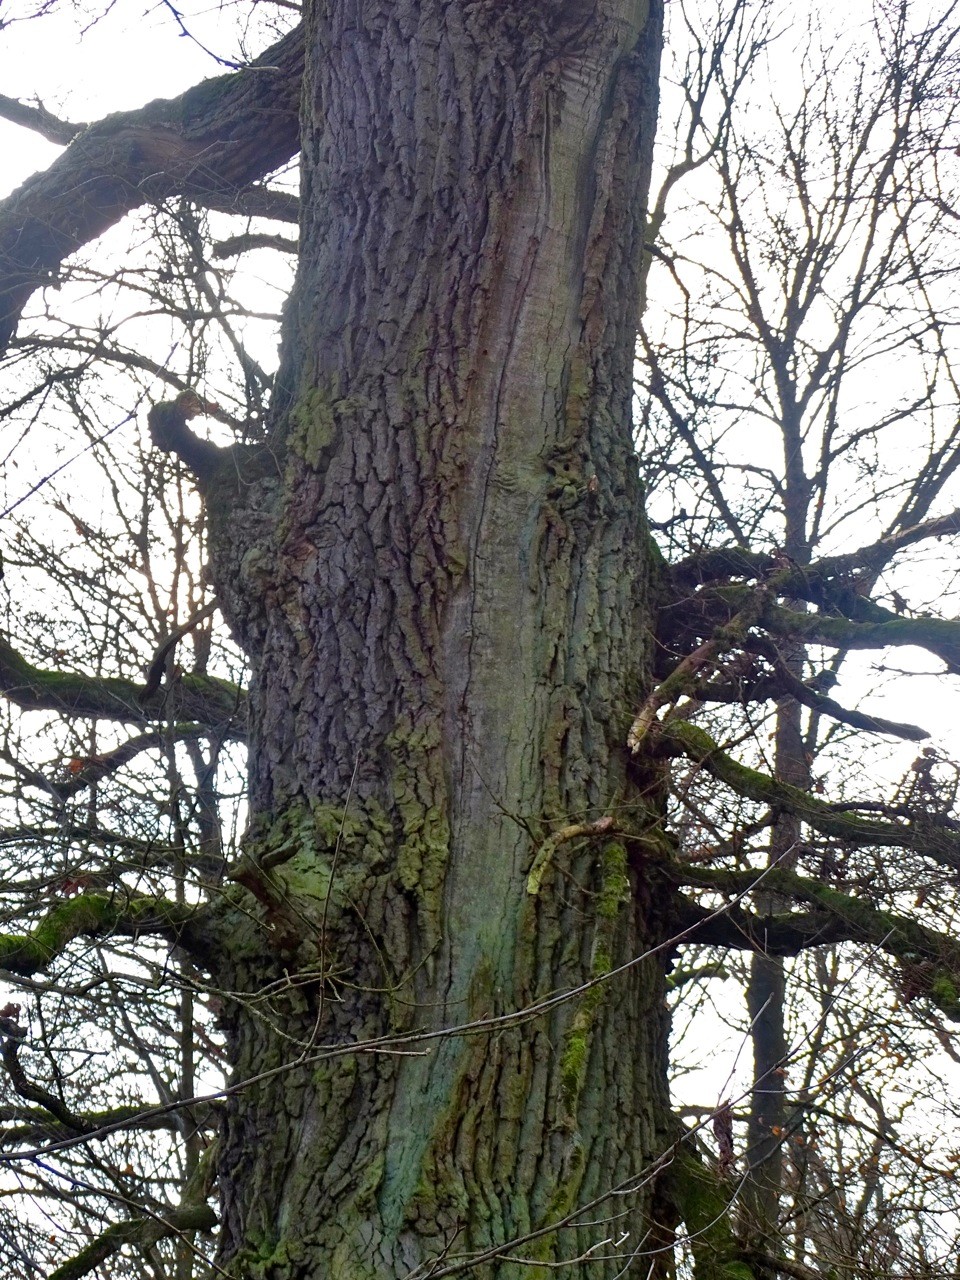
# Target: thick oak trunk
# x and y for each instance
(442, 587)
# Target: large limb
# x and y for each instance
(741, 562)
(883, 629)
(824, 578)
(924, 835)
(40, 120)
(931, 958)
(21, 1126)
(216, 704)
(732, 682)
(845, 619)
(96, 915)
(209, 144)
(784, 684)
(139, 1232)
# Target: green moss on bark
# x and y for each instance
(90, 915)
(312, 426)
(704, 1203)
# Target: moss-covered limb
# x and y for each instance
(720, 564)
(696, 973)
(739, 562)
(883, 629)
(876, 555)
(209, 143)
(233, 246)
(827, 706)
(139, 1233)
(737, 929)
(681, 680)
(843, 612)
(95, 915)
(213, 703)
(924, 837)
(932, 958)
(704, 1203)
(256, 202)
(32, 1125)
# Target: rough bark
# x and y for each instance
(439, 571)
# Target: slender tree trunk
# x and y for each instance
(766, 990)
(766, 999)
(441, 582)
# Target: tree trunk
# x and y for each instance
(442, 584)
(767, 988)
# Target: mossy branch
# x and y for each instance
(825, 574)
(881, 630)
(933, 958)
(95, 915)
(140, 1233)
(211, 702)
(575, 831)
(925, 837)
(678, 978)
(704, 1202)
(158, 664)
(35, 1124)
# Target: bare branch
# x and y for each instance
(243, 244)
(158, 664)
(40, 120)
(256, 202)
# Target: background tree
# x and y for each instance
(438, 956)
(809, 246)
